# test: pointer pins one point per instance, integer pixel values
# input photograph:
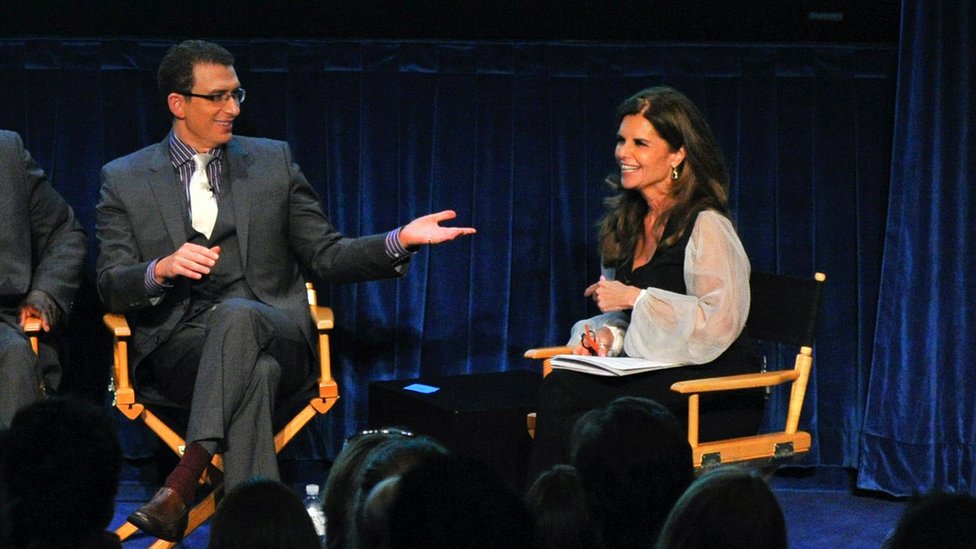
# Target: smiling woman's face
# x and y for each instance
(644, 158)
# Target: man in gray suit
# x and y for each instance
(42, 253)
(205, 255)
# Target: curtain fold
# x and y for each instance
(919, 431)
(517, 137)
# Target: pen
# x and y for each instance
(588, 339)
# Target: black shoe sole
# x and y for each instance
(153, 528)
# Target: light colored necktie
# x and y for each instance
(203, 202)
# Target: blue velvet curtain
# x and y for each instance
(919, 430)
(517, 137)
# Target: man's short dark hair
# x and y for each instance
(176, 69)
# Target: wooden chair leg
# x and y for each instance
(203, 510)
(126, 530)
(162, 544)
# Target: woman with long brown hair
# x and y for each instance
(675, 286)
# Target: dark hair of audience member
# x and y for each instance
(728, 507)
(342, 485)
(373, 515)
(558, 507)
(634, 462)
(451, 502)
(61, 462)
(940, 519)
(262, 514)
(389, 460)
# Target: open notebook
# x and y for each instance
(608, 366)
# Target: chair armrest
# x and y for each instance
(32, 325)
(324, 320)
(731, 383)
(548, 352)
(121, 385)
(323, 317)
(117, 324)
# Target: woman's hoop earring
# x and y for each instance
(674, 173)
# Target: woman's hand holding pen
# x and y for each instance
(594, 343)
(611, 295)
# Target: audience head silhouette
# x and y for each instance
(378, 483)
(634, 462)
(558, 507)
(726, 508)
(61, 462)
(943, 520)
(342, 485)
(262, 514)
(451, 502)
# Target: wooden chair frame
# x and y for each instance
(32, 327)
(127, 401)
(765, 448)
(544, 354)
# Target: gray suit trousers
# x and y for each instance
(19, 376)
(239, 357)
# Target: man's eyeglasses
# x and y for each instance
(239, 94)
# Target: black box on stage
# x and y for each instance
(480, 415)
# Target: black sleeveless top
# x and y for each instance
(665, 270)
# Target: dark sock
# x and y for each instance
(186, 476)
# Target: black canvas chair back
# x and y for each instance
(784, 309)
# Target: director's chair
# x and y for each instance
(783, 311)
(127, 401)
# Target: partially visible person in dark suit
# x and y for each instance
(61, 462)
(262, 514)
(4, 496)
(205, 241)
(42, 253)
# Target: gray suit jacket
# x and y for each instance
(281, 228)
(42, 245)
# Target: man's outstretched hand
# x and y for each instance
(427, 230)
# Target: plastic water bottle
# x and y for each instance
(313, 504)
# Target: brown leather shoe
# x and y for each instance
(164, 517)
